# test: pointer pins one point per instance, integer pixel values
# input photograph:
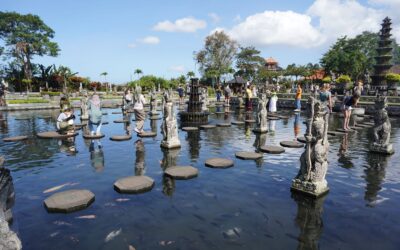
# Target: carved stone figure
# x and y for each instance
(314, 163)
(153, 103)
(262, 126)
(382, 128)
(170, 125)
(204, 99)
(84, 107)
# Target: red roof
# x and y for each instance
(271, 60)
(395, 69)
(318, 75)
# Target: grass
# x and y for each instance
(27, 101)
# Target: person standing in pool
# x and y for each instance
(348, 103)
(325, 96)
(65, 122)
(140, 101)
(95, 114)
(180, 93)
(299, 92)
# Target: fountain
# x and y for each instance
(194, 116)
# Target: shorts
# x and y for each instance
(347, 107)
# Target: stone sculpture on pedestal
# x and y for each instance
(204, 99)
(153, 104)
(262, 126)
(314, 164)
(170, 125)
(382, 128)
(84, 107)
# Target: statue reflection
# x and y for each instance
(3, 123)
(153, 126)
(140, 156)
(296, 126)
(96, 155)
(169, 159)
(344, 159)
(85, 127)
(271, 127)
(375, 175)
(68, 146)
(261, 139)
(193, 139)
(127, 125)
(308, 220)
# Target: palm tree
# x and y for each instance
(190, 74)
(138, 72)
(105, 76)
(65, 73)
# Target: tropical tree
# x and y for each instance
(45, 74)
(138, 72)
(216, 58)
(105, 76)
(190, 74)
(24, 37)
(248, 62)
(63, 76)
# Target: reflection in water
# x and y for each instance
(169, 160)
(3, 123)
(261, 139)
(193, 139)
(168, 186)
(96, 155)
(68, 146)
(85, 127)
(127, 125)
(344, 159)
(7, 195)
(296, 125)
(271, 128)
(140, 156)
(308, 220)
(153, 126)
(374, 176)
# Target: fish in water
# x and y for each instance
(90, 216)
(56, 188)
(122, 199)
(112, 235)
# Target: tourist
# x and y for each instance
(65, 122)
(255, 92)
(358, 88)
(325, 96)
(272, 102)
(299, 92)
(64, 103)
(248, 95)
(140, 101)
(348, 103)
(95, 114)
(180, 92)
(218, 93)
(127, 100)
(227, 93)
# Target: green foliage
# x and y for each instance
(344, 79)
(149, 82)
(27, 101)
(50, 93)
(211, 92)
(327, 79)
(393, 78)
(295, 70)
(248, 62)
(217, 56)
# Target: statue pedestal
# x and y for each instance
(314, 189)
(260, 130)
(382, 149)
(85, 117)
(171, 144)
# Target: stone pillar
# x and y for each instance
(262, 126)
(382, 128)
(314, 164)
(153, 104)
(170, 125)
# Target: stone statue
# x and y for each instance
(382, 128)
(169, 125)
(262, 126)
(84, 107)
(153, 103)
(140, 156)
(204, 99)
(314, 163)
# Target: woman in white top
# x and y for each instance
(139, 110)
(272, 102)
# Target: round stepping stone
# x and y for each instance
(219, 163)
(69, 201)
(223, 124)
(334, 133)
(104, 113)
(207, 126)
(156, 117)
(120, 138)
(219, 113)
(22, 118)
(248, 155)
(104, 123)
(116, 113)
(182, 172)
(121, 121)
(250, 121)
(93, 136)
(55, 135)
(272, 149)
(15, 138)
(237, 123)
(291, 144)
(363, 126)
(344, 131)
(273, 118)
(147, 134)
(369, 123)
(301, 139)
(44, 117)
(190, 129)
(134, 185)
(356, 128)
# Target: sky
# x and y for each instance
(160, 36)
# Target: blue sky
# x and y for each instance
(160, 36)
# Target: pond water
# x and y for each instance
(248, 206)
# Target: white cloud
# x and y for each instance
(178, 68)
(187, 24)
(277, 28)
(132, 45)
(390, 3)
(149, 40)
(214, 17)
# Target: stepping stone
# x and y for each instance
(15, 138)
(182, 172)
(104, 123)
(104, 113)
(273, 118)
(223, 124)
(356, 128)
(219, 163)
(121, 121)
(334, 133)
(250, 121)
(44, 117)
(69, 201)
(190, 129)
(301, 139)
(272, 149)
(93, 136)
(363, 126)
(78, 125)
(55, 135)
(291, 144)
(156, 117)
(134, 185)
(369, 123)
(248, 155)
(283, 117)
(237, 123)
(116, 113)
(219, 113)
(120, 138)
(147, 134)
(207, 126)
(22, 118)
(344, 131)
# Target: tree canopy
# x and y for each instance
(248, 62)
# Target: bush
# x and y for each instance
(344, 79)
(211, 91)
(327, 79)
(27, 101)
(392, 78)
(51, 93)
